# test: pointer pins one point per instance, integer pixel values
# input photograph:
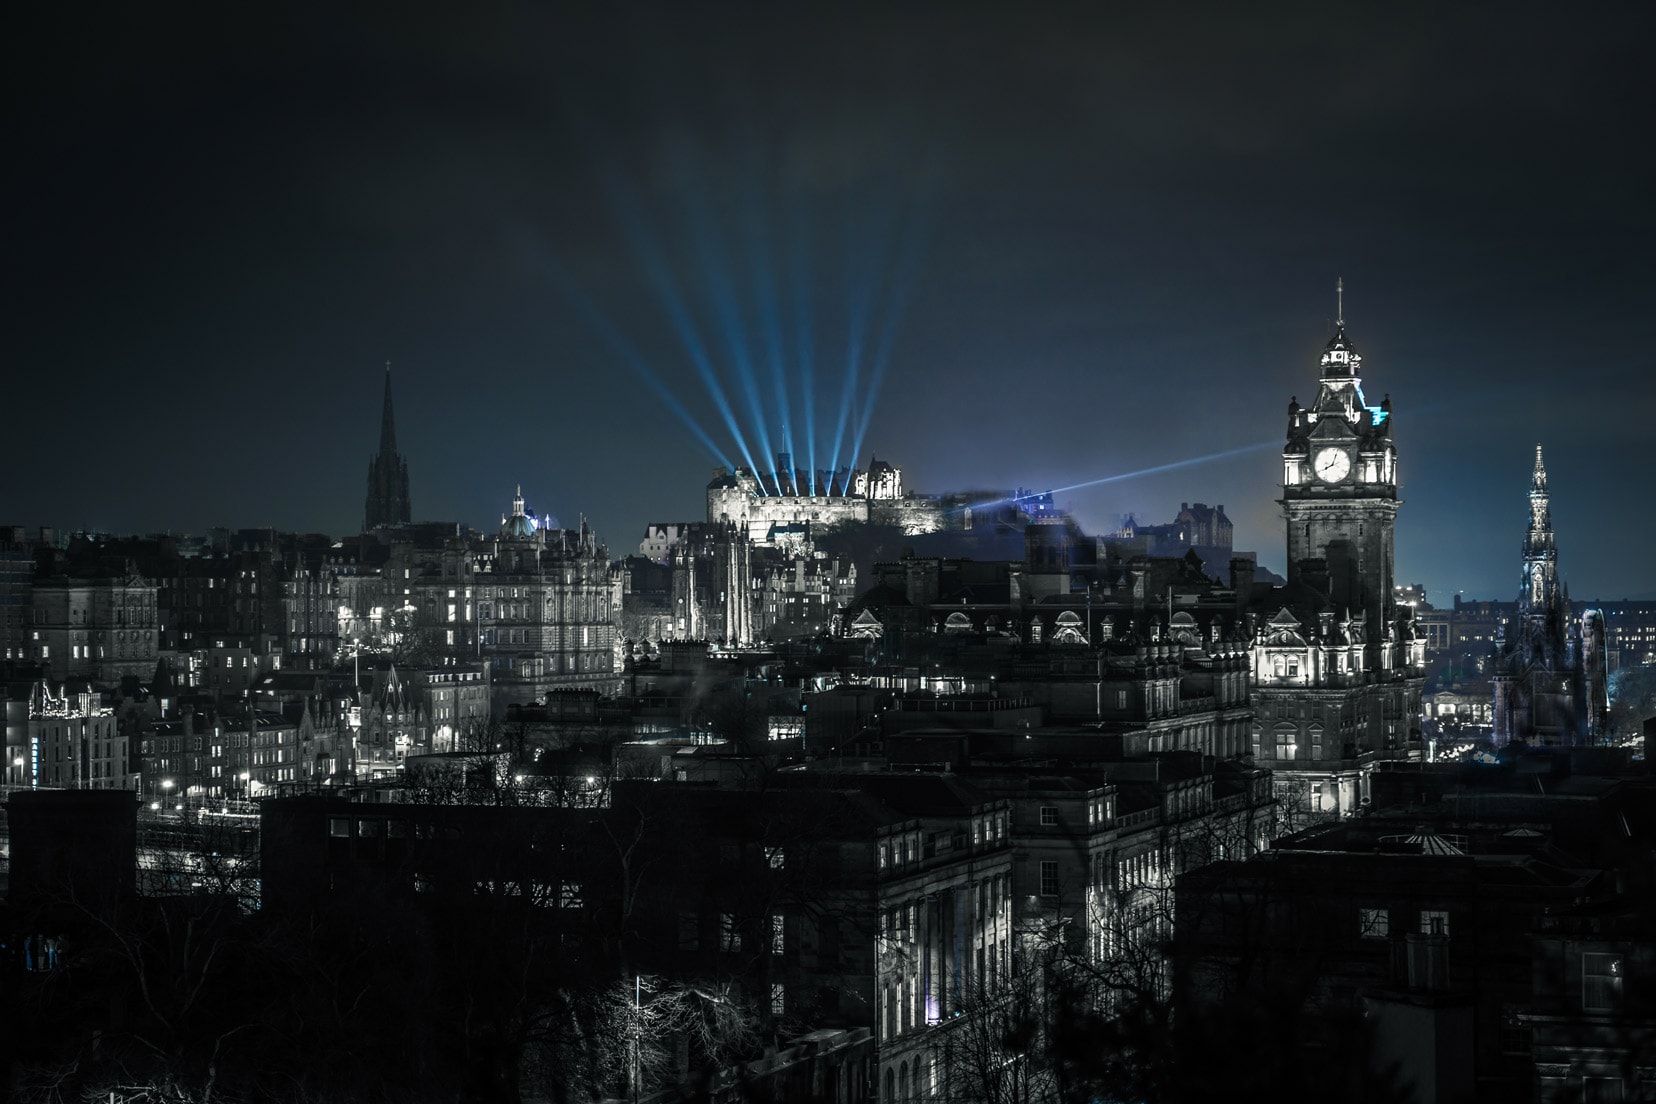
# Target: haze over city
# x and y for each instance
(855, 553)
(1092, 243)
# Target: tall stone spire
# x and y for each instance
(387, 501)
(388, 423)
(1543, 678)
(1540, 583)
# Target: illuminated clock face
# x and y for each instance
(1331, 465)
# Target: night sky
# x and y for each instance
(1081, 241)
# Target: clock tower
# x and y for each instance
(1339, 492)
(1337, 666)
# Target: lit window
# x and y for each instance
(1434, 922)
(1285, 744)
(778, 935)
(779, 999)
(1373, 923)
(775, 858)
(1601, 982)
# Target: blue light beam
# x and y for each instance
(768, 306)
(612, 336)
(901, 284)
(626, 211)
(712, 260)
(799, 252)
(1140, 473)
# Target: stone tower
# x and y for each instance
(1337, 667)
(387, 502)
(1339, 493)
(1549, 676)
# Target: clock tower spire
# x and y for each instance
(1337, 668)
(1339, 490)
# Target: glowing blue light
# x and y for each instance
(1376, 415)
(611, 335)
(734, 311)
(1156, 470)
(717, 282)
(901, 283)
(769, 310)
(627, 213)
(804, 352)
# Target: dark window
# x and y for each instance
(1049, 815)
(1049, 879)
(339, 827)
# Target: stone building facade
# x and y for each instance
(1337, 666)
(74, 742)
(96, 629)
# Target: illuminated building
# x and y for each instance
(74, 742)
(719, 586)
(1550, 667)
(387, 501)
(99, 629)
(17, 569)
(1337, 666)
(310, 614)
(800, 595)
(1198, 525)
(775, 505)
(546, 607)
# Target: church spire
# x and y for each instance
(388, 422)
(387, 501)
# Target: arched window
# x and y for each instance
(888, 1092)
(903, 1083)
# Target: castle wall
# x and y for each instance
(762, 512)
(912, 515)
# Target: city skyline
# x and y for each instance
(1097, 247)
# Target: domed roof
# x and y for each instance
(519, 526)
